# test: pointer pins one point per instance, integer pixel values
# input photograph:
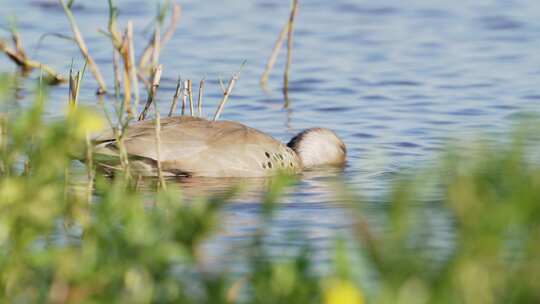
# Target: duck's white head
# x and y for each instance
(319, 146)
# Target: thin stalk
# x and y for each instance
(190, 94)
(74, 89)
(226, 95)
(117, 74)
(18, 43)
(124, 46)
(152, 91)
(273, 56)
(162, 11)
(131, 65)
(228, 91)
(289, 51)
(156, 47)
(117, 43)
(113, 30)
(19, 58)
(84, 50)
(175, 18)
(28, 64)
(79, 81)
(200, 99)
(184, 97)
(221, 84)
(71, 89)
(147, 53)
(175, 98)
(75, 85)
(124, 51)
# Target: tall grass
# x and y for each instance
(55, 247)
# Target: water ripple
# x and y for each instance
(498, 23)
(392, 79)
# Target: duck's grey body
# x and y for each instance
(192, 146)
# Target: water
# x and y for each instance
(394, 80)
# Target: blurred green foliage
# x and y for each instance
(120, 249)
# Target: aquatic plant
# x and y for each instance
(71, 235)
(56, 246)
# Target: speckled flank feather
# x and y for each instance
(197, 147)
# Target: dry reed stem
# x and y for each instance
(152, 91)
(80, 76)
(124, 50)
(122, 47)
(71, 89)
(175, 98)
(184, 97)
(116, 40)
(190, 94)
(294, 9)
(18, 43)
(73, 94)
(129, 71)
(156, 47)
(75, 86)
(131, 64)
(200, 99)
(74, 90)
(226, 95)
(113, 30)
(221, 84)
(273, 56)
(147, 53)
(169, 32)
(161, 182)
(84, 50)
(15, 56)
(117, 74)
(19, 57)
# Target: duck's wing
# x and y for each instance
(188, 144)
(142, 128)
(245, 152)
(198, 147)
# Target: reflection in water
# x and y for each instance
(248, 190)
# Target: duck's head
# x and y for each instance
(319, 146)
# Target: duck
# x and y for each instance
(197, 147)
